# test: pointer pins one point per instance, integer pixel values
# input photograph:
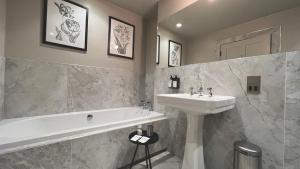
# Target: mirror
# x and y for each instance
(212, 30)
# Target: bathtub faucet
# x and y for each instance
(147, 105)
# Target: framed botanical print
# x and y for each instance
(175, 53)
(157, 49)
(121, 38)
(65, 24)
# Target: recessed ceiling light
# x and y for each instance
(179, 25)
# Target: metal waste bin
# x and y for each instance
(247, 156)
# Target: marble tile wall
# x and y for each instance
(104, 151)
(2, 71)
(91, 88)
(34, 88)
(292, 112)
(39, 88)
(256, 118)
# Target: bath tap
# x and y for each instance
(149, 106)
(210, 91)
(192, 91)
(200, 91)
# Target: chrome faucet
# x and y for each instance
(149, 106)
(210, 91)
(201, 90)
(192, 91)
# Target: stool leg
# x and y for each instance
(149, 157)
(131, 164)
(146, 152)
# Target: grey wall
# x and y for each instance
(165, 36)
(2, 25)
(167, 8)
(2, 74)
(150, 54)
(292, 115)
(256, 118)
(24, 30)
(39, 88)
(50, 67)
(204, 48)
(2, 47)
(103, 151)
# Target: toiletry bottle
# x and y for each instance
(150, 130)
(170, 84)
(175, 82)
(139, 130)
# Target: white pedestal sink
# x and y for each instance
(196, 107)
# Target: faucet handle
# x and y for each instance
(210, 91)
(192, 91)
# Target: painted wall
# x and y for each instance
(2, 47)
(24, 30)
(150, 54)
(165, 36)
(260, 119)
(205, 49)
(167, 8)
(2, 25)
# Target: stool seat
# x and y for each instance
(153, 139)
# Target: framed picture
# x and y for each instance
(157, 49)
(120, 38)
(65, 24)
(175, 53)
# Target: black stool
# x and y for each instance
(153, 139)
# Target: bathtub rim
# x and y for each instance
(67, 135)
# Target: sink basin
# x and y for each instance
(196, 107)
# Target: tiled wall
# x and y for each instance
(257, 118)
(292, 112)
(39, 88)
(269, 120)
(103, 151)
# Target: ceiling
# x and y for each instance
(140, 7)
(206, 16)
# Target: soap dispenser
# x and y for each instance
(170, 84)
(176, 82)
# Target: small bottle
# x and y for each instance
(139, 130)
(150, 130)
(170, 84)
(175, 82)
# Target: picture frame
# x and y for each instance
(121, 38)
(65, 24)
(157, 49)
(174, 54)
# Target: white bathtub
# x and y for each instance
(23, 133)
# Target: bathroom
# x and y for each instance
(73, 90)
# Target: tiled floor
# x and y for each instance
(170, 163)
